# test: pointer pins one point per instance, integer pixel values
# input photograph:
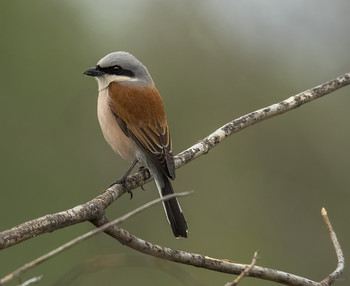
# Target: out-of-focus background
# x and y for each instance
(212, 62)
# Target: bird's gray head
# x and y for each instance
(120, 67)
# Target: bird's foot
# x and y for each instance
(122, 181)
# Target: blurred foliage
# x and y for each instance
(212, 61)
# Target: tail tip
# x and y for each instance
(180, 228)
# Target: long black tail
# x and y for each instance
(172, 207)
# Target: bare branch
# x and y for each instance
(221, 265)
(340, 267)
(204, 146)
(198, 260)
(85, 236)
(81, 213)
(95, 208)
(245, 272)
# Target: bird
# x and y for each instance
(132, 117)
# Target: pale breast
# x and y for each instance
(114, 136)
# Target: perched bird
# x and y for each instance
(132, 118)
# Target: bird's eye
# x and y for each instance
(116, 68)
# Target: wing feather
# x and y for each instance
(139, 111)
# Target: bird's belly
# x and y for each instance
(115, 137)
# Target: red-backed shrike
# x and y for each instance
(132, 118)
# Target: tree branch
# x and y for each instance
(215, 264)
(204, 146)
(81, 213)
(94, 210)
(85, 236)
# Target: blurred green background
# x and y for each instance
(212, 62)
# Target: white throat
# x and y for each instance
(104, 81)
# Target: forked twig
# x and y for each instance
(245, 272)
(340, 256)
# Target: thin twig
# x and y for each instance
(85, 236)
(32, 281)
(340, 257)
(245, 272)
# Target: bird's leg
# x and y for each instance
(123, 179)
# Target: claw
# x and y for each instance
(141, 168)
(130, 193)
(122, 182)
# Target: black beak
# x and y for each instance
(94, 71)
